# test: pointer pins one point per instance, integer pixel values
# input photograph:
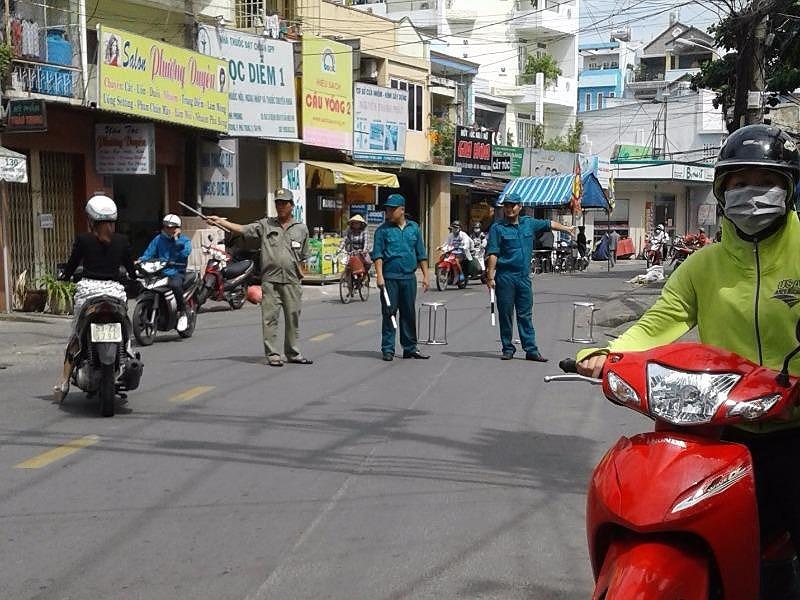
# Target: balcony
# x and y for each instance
(422, 13)
(461, 11)
(29, 78)
(544, 17)
(530, 89)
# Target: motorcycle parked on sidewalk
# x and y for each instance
(448, 269)
(355, 279)
(224, 279)
(683, 248)
(672, 513)
(156, 308)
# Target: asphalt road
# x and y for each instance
(458, 477)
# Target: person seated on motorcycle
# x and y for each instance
(101, 252)
(702, 238)
(356, 240)
(461, 244)
(742, 294)
(172, 247)
(581, 241)
(479, 241)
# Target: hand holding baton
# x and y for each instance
(388, 304)
(491, 304)
(201, 215)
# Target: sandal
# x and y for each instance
(60, 392)
(301, 360)
(274, 361)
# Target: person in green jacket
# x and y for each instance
(743, 295)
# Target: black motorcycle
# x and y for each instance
(156, 308)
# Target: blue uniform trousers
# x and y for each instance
(514, 291)
(403, 296)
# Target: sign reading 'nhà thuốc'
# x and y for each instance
(151, 79)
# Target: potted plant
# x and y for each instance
(545, 64)
(442, 136)
(59, 294)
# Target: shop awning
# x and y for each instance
(557, 191)
(332, 174)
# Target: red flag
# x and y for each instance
(577, 188)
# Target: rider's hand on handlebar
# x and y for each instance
(592, 366)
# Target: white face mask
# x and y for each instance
(753, 208)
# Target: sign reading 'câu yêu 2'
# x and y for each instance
(473, 149)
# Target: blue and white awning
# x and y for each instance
(556, 191)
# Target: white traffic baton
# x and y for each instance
(492, 305)
(389, 305)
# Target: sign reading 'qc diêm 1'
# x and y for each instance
(151, 79)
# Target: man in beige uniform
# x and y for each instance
(284, 245)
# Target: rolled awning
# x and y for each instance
(556, 191)
(332, 174)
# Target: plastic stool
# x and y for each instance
(434, 309)
(587, 316)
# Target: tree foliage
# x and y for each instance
(566, 143)
(542, 64)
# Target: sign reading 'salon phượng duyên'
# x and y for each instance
(154, 80)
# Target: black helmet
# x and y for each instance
(758, 146)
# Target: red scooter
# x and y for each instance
(448, 269)
(672, 514)
(224, 280)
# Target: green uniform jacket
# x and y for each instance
(742, 296)
(282, 250)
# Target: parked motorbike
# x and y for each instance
(355, 279)
(156, 308)
(683, 248)
(653, 252)
(448, 269)
(224, 279)
(103, 365)
(672, 514)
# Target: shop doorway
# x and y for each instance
(141, 202)
(664, 211)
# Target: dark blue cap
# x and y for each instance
(394, 200)
(511, 198)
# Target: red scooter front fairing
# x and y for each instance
(675, 495)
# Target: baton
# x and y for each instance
(199, 214)
(389, 305)
(491, 304)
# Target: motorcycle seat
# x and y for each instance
(236, 269)
(189, 279)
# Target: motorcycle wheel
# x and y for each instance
(143, 330)
(345, 288)
(202, 296)
(107, 391)
(363, 289)
(191, 316)
(236, 299)
(441, 279)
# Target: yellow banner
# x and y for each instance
(327, 93)
(151, 79)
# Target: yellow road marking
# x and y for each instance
(51, 456)
(192, 393)
(321, 336)
(364, 323)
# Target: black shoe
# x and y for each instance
(536, 358)
(388, 356)
(416, 354)
(507, 356)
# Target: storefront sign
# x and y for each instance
(376, 217)
(125, 149)
(293, 178)
(473, 151)
(330, 203)
(151, 79)
(507, 160)
(327, 93)
(219, 173)
(360, 209)
(546, 163)
(261, 74)
(692, 173)
(26, 115)
(13, 166)
(630, 152)
(381, 120)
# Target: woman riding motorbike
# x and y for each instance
(102, 252)
(742, 294)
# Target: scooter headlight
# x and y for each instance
(683, 398)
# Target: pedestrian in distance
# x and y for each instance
(284, 245)
(397, 252)
(613, 242)
(508, 267)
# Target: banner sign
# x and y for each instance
(507, 160)
(219, 173)
(261, 74)
(125, 148)
(26, 115)
(151, 79)
(631, 152)
(13, 166)
(327, 93)
(473, 151)
(693, 173)
(381, 121)
(293, 178)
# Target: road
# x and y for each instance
(459, 477)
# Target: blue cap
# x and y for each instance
(394, 200)
(510, 198)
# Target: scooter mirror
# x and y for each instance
(797, 331)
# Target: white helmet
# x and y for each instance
(101, 208)
(171, 221)
(660, 227)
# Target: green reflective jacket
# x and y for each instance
(742, 296)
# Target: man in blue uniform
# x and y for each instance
(397, 251)
(508, 266)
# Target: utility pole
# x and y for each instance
(189, 38)
(755, 105)
(666, 102)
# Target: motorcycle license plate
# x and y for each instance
(106, 332)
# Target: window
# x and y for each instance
(614, 64)
(612, 94)
(599, 99)
(414, 102)
(588, 101)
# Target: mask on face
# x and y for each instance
(754, 208)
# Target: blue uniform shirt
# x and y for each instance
(400, 249)
(513, 244)
(170, 250)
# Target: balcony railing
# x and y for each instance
(46, 79)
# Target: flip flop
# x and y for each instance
(274, 361)
(301, 361)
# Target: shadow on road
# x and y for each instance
(473, 354)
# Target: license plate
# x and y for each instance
(106, 332)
